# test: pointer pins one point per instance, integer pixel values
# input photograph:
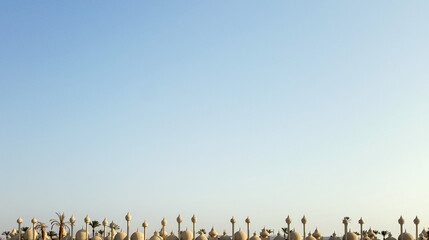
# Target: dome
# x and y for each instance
(28, 235)
(390, 237)
(351, 236)
(137, 236)
(425, 234)
(120, 236)
(225, 237)
(405, 236)
(240, 235)
(310, 237)
(13, 233)
(317, 234)
(264, 233)
(255, 237)
(203, 237)
(333, 236)
(96, 237)
(279, 237)
(185, 235)
(294, 235)
(81, 235)
(371, 233)
(171, 237)
(156, 236)
(213, 232)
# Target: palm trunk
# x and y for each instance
(60, 233)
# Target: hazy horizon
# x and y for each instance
(215, 108)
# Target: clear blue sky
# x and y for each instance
(218, 108)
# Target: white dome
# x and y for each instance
(317, 234)
(213, 232)
(294, 235)
(172, 236)
(202, 236)
(255, 237)
(405, 236)
(240, 235)
(225, 237)
(81, 235)
(137, 236)
(120, 236)
(310, 237)
(351, 236)
(264, 233)
(13, 233)
(186, 235)
(156, 236)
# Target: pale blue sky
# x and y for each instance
(218, 108)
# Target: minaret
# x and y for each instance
(163, 223)
(417, 221)
(34, 221)
(105, 223)
(144, 225)
(87, 221)
(112, 227)
(304, 221)
(179, 220)
(248, 221)
(346, 223)
(194, 220)
(361, 222)
(19, 221)
(288, 221)
(401, 222)
(233, 221)
(72, 221)
(128, 219)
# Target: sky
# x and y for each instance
(215, 108)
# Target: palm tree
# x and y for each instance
(94, 224)
(115, 226)
(7, 233)
(24, 229)
(51, 234)
(60, 223)
(270, 231)
(101, 232)
(202, 230)
(42, 227)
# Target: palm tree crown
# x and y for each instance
(60, 223)
(94, 225)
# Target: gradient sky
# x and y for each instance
(218, 108)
